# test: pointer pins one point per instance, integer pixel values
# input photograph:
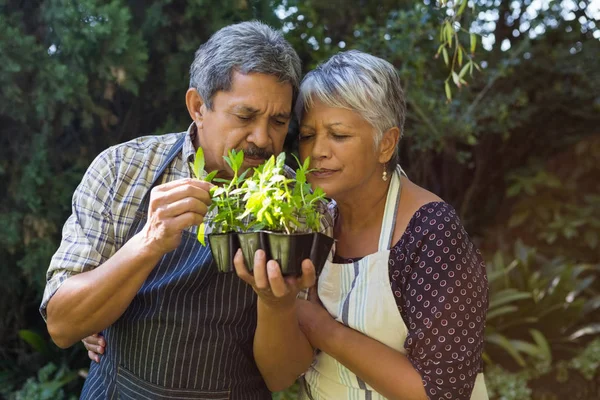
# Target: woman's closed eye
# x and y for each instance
(338, 136)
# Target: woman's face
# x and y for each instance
(340, 143)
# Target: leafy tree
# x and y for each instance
(77, 77)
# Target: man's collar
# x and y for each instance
(189, 151)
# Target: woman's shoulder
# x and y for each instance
(415, 204)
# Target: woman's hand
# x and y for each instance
(314, 320)
(272, 288)
(95, 345)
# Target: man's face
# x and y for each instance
(253, 116)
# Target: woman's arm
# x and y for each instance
(388, 371)
(281, 351)
(443, 300)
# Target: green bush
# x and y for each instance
(77, 77)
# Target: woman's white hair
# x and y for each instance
(362, 83)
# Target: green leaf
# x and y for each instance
(281, 159)
(239, 157)
(507, 296)
(199, 162)
(460, 55)
(527, 348)
(201, 230)
(502, 341)
(448, 91)
(542, 344)
(464, 70)
(306, 163)
(34, 340)
(473, 43)
(501, 311)
(229, 162)
(456, 79)
(590, 329)
(462, 8)
(449, 33)
(211, 176)
(445, 55)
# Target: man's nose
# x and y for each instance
(260, 135)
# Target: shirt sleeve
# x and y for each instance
(440, 278)
(88, 237)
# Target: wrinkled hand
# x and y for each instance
(95, 345)
(275, 290)
(174, 207)
(315, 321)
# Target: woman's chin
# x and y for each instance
(325, 186)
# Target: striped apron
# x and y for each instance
(187, 334)
(359, 296)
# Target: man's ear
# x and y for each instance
(388, 144)
(195, 105)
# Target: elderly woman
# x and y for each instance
(403, 300)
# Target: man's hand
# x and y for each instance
(95, 345)
(273, 289)
(173, 207)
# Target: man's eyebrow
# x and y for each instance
(283, 115)
(251, 111)
(245, 109)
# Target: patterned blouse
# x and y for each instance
(440, 285)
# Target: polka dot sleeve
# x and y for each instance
(439, 282)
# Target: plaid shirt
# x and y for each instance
(106, 201)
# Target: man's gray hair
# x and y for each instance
(247, 47)
(358, 82)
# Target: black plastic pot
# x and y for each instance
(223, 247)
(290, 250)
(250, 242)
(321, 246)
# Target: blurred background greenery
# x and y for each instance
(515, 149)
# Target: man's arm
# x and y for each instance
(281, 351)
(91, 301)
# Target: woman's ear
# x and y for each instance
(195, 106)
(388, 144)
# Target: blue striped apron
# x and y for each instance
(187, 334)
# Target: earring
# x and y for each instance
(384, 177)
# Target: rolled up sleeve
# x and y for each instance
(88, 236)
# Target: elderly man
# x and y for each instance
(129, 264)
